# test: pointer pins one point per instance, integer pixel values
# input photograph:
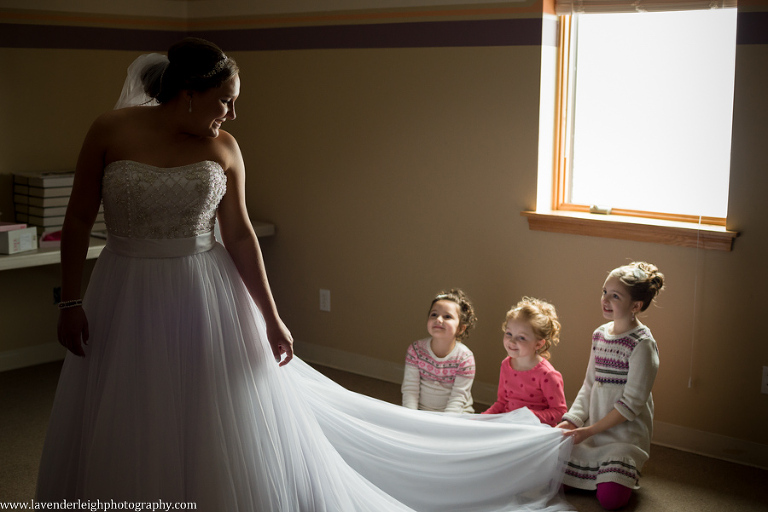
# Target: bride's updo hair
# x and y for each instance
(643, 280)
(193, 64)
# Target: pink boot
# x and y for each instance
(613, 496)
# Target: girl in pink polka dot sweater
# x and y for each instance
(527, 377)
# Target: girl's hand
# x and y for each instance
(579, 434)
(608, 421)
(281, 341)
(73, 330)
(567, 425)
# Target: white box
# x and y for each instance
(18, 240)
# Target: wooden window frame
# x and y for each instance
(646, 226)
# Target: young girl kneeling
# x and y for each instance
(439, 370)
(611, 420)
(527, 378)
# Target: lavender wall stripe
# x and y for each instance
(85, 38)
(507, 32)
(467, 33)
(752, 28)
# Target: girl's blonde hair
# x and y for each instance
(542, 318)
(643, 281)
(467, 315)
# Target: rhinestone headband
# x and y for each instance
(217, 68)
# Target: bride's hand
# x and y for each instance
(281, 341)
(73, 330)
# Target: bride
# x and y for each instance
(176, 386)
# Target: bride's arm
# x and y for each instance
(241, 243)
(81, 213)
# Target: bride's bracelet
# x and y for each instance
(70, 304)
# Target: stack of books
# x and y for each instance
(40, 200)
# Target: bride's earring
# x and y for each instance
(190, 105)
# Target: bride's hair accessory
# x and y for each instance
(217, 68)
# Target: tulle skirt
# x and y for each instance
(179, 399)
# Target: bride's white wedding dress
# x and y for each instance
(179, 397)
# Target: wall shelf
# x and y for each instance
(50, 255)
(46, 256)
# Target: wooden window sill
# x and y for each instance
(682, 234)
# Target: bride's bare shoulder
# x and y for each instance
(126, 115)
(123, 122)
(227, 151)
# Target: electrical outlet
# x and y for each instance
(764, 385)
(325, 300)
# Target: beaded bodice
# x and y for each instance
(144, 201)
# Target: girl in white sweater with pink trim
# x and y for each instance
(439, 370)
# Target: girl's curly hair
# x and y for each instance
(542, 318)
(467, 317)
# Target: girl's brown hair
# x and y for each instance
(643, 281)
(467, 317)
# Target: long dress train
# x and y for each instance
(179, 398)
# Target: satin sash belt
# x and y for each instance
(160, 248)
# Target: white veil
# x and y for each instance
(133, 93)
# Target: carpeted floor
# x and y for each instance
(672, 480)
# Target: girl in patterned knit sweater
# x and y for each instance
(527, 378)
(439, 370)
(611, 420)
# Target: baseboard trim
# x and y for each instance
(665, 434)
(349, 362)
(711, 445)
(31, 356)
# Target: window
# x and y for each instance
(644, 178)
(645, 107)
